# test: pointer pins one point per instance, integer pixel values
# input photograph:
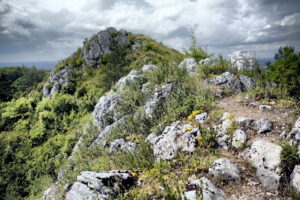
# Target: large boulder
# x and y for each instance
(234, 82)
(226, 169)
(295, 178)
(190, 64)
(175, 138)
(242, 60)
(265, 157)
(208, 191)
(157, 99)
(56, 82)
(100, 185)
(102, 44)
(134, 77)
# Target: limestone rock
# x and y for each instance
(102, 43)
(265, 157)
(151, 138)
(148, 68)
(294, 134)
(175, 138)
(105, 112)
(264, 107)
(239, 138)
(208, 191)
(202, 117)
(122, 145)
(234, 82)
(56, 81)
(134, 77)
(263, 126)
(157, 99)
(226, 169)
(206, 61)
(50, 193)
(190, 64)
(244, 122)
(100, 185)
(295, 178)
(242, 60)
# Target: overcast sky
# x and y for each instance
(50, 30)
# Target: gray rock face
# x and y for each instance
(242, 60)
(148, 68)
(190, 64)
(102, 43)
(208, 191)
(157, 99)
(234, 82)
(226, 169)
(100, 185)
(239, 138)
(175, 138)
(263, 126)
(202, 117)
(295, 178)
(265, 157)
(122, 145)
(105, 112)
(55, 82)
(264, 107)
(222, 136)
(206, 61)
(151, 138)
(134, 77)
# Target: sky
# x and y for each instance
(43, 30)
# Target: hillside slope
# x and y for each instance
(125, 117)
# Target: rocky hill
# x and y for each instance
(125, 117)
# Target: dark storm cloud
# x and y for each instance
(40, 29)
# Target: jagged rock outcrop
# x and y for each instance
(265, 157)
(100, 185)
(190, 64)
(157, 99)
(226, 169)
(234, 82)
(244, 122)
(239, 138)
(56, 81)
(175, 138)
(222, 136)
(206, 61)
(295, 178)
(242, 60)
(122, 145)
(102, 44)
(263, 126)
(204, 188)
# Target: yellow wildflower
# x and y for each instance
(133, 174)
(188, 129)
(128, 137)
(199, 138)
(194, 113)
(272, 102)
(165, 177)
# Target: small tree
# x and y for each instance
(285, 71)
(195, 50)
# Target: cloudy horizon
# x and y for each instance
(41, 30)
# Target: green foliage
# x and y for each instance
(285, 71)
(19, 81)
(289, 158)
(195, 50)
(220, 66)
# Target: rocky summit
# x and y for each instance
(126, 117)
